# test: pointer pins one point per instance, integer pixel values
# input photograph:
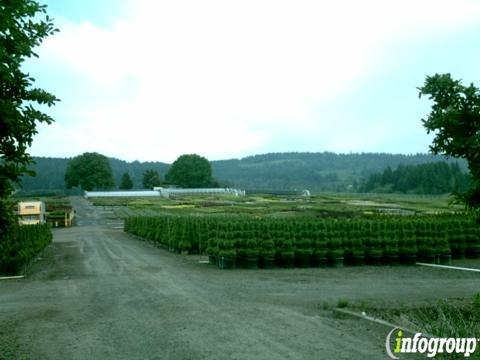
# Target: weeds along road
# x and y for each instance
(97, 293)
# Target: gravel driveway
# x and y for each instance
(98, 293)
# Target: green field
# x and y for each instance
(322, 205)
(306, 230)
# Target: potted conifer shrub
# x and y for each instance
(267, 253)
(472, 241)
(408, 245)
(457, 244)
(319, 257)
(456, 238)
(251, 254)
(240, 249)
(445, 257)
(358, 250)
(374, 251)
(303, 250)
(408, 254)
(226, 254)
(212, 250)
(335, 252)
(391, 251)
(347, 250)
(285, 253)
(442, 245)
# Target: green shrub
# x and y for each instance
(287, 238)
(21, 247)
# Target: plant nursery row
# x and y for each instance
(19, 249)
(236, 241)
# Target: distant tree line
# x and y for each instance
(93, 171)
(429, 178)
(278, 171)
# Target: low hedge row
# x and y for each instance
(305, 242)
(18, 249)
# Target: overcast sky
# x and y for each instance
(153, 79)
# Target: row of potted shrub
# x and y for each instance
(20, 247)
(251, 242)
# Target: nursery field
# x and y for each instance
(286, 231)
(323, 205)
(99, 291)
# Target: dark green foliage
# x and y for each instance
(21, 246)
(274, 172)
(89, 171)
(190, 171)
(126, 182)
(24, 24)
(429, 178)
(314, 171)
(455, 121)
(306, 239)
(151, 179)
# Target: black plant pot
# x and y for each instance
(446, 259)
(240, 262)
(337, 261)
(268, 263)
(428, 258)
(348, 260)
(358, 260)
(473, 253)
(302, 262)
(392, 260)
(226, 263)
(374, 260)
(458, 253)
(408, 259)
(319, 261)
(251, 262)
(212, 259)
(287, 262)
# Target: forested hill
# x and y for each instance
(314, 171)
(50, 172)
(277, 171)
(428, 178)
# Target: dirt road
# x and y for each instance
(98, 293)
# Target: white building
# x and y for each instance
(165, 192)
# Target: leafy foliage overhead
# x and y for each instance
(89, 171)
(455, 121)
(24, 24)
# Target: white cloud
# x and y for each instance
(223, 78)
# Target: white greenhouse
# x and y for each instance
(165, 192)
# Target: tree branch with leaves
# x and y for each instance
(24, 24)
(455, 122)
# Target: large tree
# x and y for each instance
(190, 171)
(151, 179)
(455, 122)
(126, 182)
(24, 24)
(89, 171)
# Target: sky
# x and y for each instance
(150, 80)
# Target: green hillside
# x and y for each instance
(277, 171)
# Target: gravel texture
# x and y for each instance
(98, 293)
